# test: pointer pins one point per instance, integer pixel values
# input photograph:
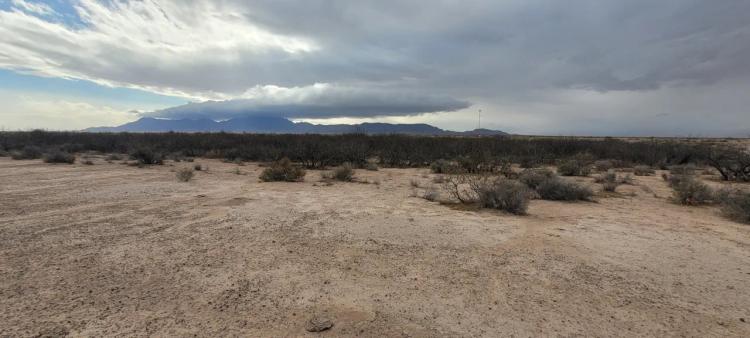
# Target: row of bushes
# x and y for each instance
(688, 190)
(317, 151)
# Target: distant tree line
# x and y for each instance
(318, 151)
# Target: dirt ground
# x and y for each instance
(114, 250)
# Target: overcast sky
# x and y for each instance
(574, 67)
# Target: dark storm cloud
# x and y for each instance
(503, 54)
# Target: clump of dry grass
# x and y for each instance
(557, 189)
(503, 194)
(610, 181)
(146, 156)
(414, 183)
(489, 192)
(431, 194)
(184, 174)
(444, 167)
(736, 205)
(371, 165)
(113, 157)
(643, 170)
(283, 170)
(57, 156)
(690, 191)
(344, 173)
(573, 168)
(534, 177)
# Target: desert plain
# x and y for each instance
(115, 250)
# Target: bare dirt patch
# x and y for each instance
(114, 250)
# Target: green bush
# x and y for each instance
(59, 157)
(556, 189)
(284, 171)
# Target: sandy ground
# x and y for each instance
(114, 250)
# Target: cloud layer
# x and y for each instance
(316, 101)
(324, 58)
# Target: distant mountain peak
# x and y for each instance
(280, 125)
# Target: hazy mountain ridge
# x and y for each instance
(278, 125)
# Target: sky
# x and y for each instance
(548, 67)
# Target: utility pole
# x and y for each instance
(479, 119)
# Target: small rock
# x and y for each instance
(317, 324)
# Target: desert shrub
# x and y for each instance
(113, 157)
(444, 167)
(414, 183)
(184, 174)
(27, 153)
(736, 205)
(687, 169)
(502, 194)
(604, 165)
(608, 180)
(58, 156)
(88, 162)
(627, 179)
(147, 156)
(528, 162)
(690, 191)
(534, 177)
(431, 194)
(731, 162)
(505, 168)
(4, 153)
(573, 168)
(675, 180)
(371, 165)
(556, 189)
(197, 167)
(344, 173)
(643, 170)
(283, 170)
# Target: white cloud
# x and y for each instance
(162, 47)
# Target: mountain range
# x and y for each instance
(280, 125)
